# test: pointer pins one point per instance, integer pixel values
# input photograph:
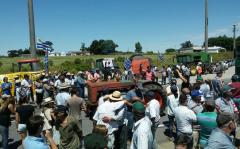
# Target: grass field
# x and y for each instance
(68, 62)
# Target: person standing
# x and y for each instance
(142, 135)
(225, 103)
(34, 138)
(220, 137)
(7, 107)
(23, 112)
(207, 122)
(149, 74)
(152, 110)
(39, 91)
(80, 83)
(164, 75)
(63, 96)
(26, 87)
(184, 119)
(69, 129)
(76, 105)
(109, 114)
(172, 103)
(6, 87)
(169, 73)
(217, 84)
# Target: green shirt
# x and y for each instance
(70, 135)
(207, 122)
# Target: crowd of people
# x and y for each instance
(48, 110)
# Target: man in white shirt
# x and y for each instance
(63, 96)
(184, 119)
(109, 113)
(172, 83)
(142, 134)
(153, 110)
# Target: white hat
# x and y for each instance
(68, 74)
(116, 96)
(47, 101)
(80, 72)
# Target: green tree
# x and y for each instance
(138, 47)
(170, 50)
(186, 44)
(13, 53)
(102, 47)
(222, 41)
(83, 48)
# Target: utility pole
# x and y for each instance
(206, 25)
(32, 32)
(234, 41)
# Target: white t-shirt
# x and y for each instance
(184, 118)
(62, 98)
(25, 83)
(153, 110)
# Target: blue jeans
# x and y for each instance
(4, 134)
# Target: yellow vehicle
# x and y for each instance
(33, 75)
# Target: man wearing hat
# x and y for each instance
(204, 87)
(111, 114)
(63, 96)
(80, 83)
(195, 102)
(225, 103)
(142, 135)
(220, 137)
(207, 122)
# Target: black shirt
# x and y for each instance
(25, 111)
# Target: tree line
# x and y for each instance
(221, 41)
(109, 46)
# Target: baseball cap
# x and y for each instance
(226, 88)
(139, 107)
(199, 78)
(196, 93)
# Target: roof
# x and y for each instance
(34, 60)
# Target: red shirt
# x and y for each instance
(236, 90)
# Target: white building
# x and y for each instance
(214, 49)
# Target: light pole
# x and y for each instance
(206, 25)
(234, 41)
(32, 32)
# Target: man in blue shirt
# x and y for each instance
(6, 87)
(220, 137)
(34, 139)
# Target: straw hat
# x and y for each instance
(47, 101)
(116, 96)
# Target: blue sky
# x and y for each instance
(156, 24)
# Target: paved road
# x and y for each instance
(162, 139)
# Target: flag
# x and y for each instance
(47, 45)
(161, 56)
(127, 64)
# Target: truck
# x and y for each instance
(191, 59)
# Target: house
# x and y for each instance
(214, 49)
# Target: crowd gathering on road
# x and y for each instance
(121, 121)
